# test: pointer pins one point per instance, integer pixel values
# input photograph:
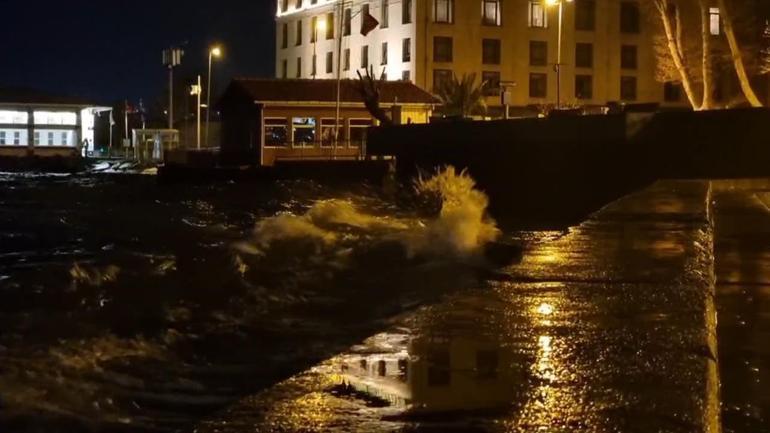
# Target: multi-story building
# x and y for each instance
(607, 46)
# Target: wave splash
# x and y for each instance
(461, 228)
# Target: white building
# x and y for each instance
(38, 124)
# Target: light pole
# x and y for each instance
(213, 52)
(320, 25)
(196, 91)
(559, 3)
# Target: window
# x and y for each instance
(491, 13)
(299, 67)
(440, 78)
(442, 49)
(329, 62)
(672, 92)
(439, 373)
(491, 82)
(443, 11)
(327, 131)
(537, 15)
(303, 131)
(628, 88)
(284, 5)
(37, 138)
(486, 364)
(538, 53)
(584, 86)
(285, 35)
(314, 67)
(357, 133)
(628, 57)
(381, 368)
(584, 55)
(284, 69)
(365, 56)
(384, 54)
(406, 76)
(298, 41)
(55, 118)
(406, 11)
(2, 138)
(490, 51)
(313, 29)
(585, 15)
(629, 17)
(329, 26)
(13, 117)
(346, 59)
(364, 13)
(50, 138)
(714, 21)
(276, 132)
(347, 23)
(538, 85)
(385, 17)
(64, 139)
(299, 4)
(16, 138)
(406, 50)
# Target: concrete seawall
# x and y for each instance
(609, 327)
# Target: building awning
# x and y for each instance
(325, 91)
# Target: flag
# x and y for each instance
(368, 24)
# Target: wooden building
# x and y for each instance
(269, 120)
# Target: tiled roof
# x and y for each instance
(20, 95)
(275, 90)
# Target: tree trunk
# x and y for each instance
(735, 49)
(675, 50)
(708, 69)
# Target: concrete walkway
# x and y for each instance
(742, 216)
(610, 328)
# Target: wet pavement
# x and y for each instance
(743, 299)
(610, 328)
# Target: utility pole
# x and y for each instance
(197, 90)
(172, 57)
(341, 19)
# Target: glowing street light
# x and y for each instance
(213, 52)
(559, 3)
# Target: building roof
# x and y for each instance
(21, 95)
(321, 90)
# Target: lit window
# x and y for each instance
(276, 132)
(490, 13)
(14, 117)
(443, 11)
(55, 118)
(537, 16)
(715, 21)
(303, 131)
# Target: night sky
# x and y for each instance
(109, 50)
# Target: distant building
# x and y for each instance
(266, 120)
(607, 50)
(34, 123)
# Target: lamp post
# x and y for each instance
(213, 52)
(196, 90)
(559, 3)
(320, 25)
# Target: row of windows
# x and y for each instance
(538, 85)
(325, 23)
(307, 131)
(8, 117)
(406, 56)
(491, 50)
(46, 138)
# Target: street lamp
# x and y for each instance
(559, 3)
(320, 25)
(213, 52)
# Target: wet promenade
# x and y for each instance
(609, 328)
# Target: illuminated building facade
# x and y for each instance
(607, 50)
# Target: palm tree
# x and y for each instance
(462, 97)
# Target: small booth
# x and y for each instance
(150, 145)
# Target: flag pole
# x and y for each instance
(341, 19)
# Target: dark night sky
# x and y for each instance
(108, 50)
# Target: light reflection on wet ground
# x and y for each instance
(607, 329)
(743, 298)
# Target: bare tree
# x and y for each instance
(671, 20)
(737, 55)
(707, 60)
(764, 63)
(370, 92)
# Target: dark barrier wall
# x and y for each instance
(562, 168)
